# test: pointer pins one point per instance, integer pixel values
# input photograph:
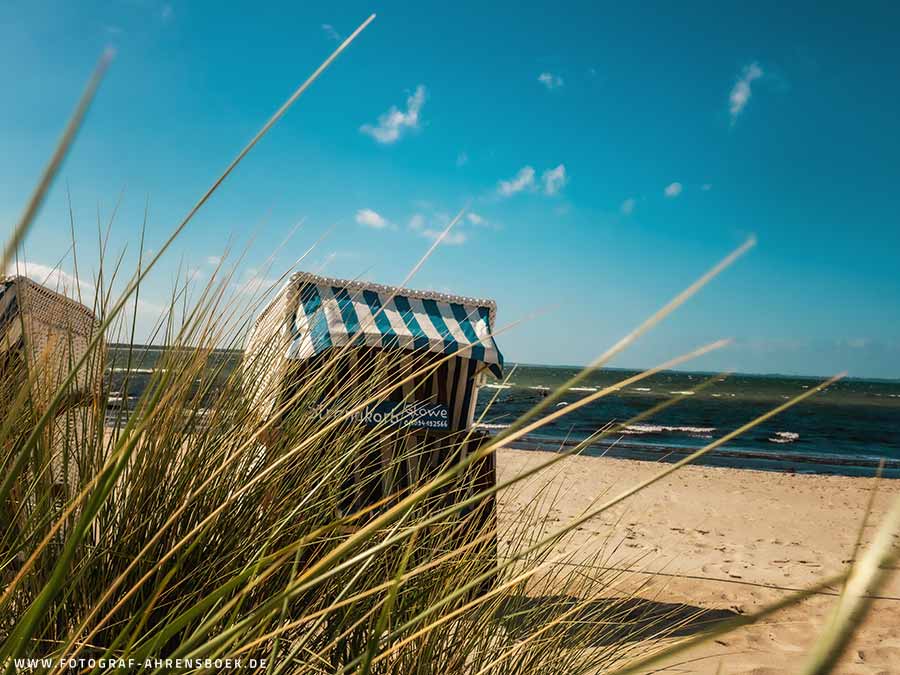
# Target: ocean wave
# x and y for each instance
(641, 389)
(637, 429)
(499, 386)
(784, 437)
(540, 387)
(582, 388)
(145, 371)
(486, 425)
(119, 401)
(683, 393)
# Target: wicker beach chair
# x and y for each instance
(339, 333)
(43, 335)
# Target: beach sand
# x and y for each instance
(741, 531)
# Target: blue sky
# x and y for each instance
(609, 155)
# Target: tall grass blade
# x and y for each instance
(56, 160)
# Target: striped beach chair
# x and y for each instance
(345, 334)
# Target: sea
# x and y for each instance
(850, 428)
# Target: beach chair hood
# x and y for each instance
(43, 326)
(329, 313)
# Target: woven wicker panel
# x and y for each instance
(71, 445)
(264, 361)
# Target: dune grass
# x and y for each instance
(194, 527)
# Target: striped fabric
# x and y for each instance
(333, 312)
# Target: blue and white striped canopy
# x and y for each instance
(334, 312)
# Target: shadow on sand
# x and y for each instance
(601, 622)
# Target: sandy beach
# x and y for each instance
(724, 539)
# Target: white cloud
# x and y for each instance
(393, 123)
(370, 218)
(329, 30)
(417, 222)
(550, 80)
(166, 12)
(255, 283)
(214, 260)
(706, 187)
(673, 190)
(452, 238)
(53, 277)
(554, 179)
(742, 91)
(523, 180)
(148, 312)
(431, 226)
(462, 159)
(627, 207)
